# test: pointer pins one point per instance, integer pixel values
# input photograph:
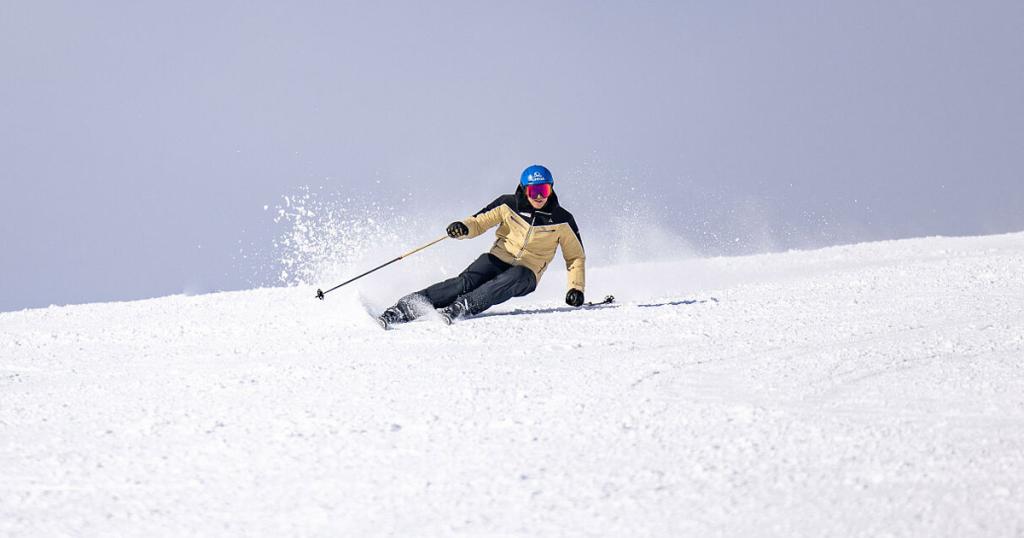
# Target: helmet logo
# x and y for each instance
(536, 176)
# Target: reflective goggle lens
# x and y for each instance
(542, 190)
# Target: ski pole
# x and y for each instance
(320, 294)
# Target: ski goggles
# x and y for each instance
(540, 190)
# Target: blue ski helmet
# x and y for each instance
(535, 175)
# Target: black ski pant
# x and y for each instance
(486, 282)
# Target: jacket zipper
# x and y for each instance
(527, 240)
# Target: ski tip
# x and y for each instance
(608, 299)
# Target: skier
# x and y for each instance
(531, 225)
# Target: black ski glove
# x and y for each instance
(574, 298)
(457, 229)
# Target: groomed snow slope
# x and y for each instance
(865, 390)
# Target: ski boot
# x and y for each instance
(455, 311)
(390, 317)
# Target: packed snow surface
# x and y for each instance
(865, 390)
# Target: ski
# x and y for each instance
(388, 324)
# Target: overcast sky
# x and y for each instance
(140, 141)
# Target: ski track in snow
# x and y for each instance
(862, 390)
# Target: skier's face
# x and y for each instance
(538, 195)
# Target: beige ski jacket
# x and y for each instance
(529, 237)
